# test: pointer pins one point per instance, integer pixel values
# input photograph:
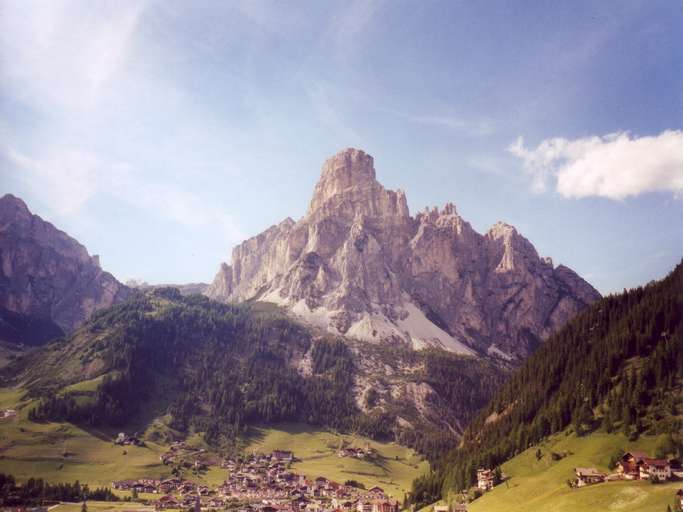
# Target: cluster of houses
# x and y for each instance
(124, 439)
(640, 466)
(358, 453)
(633, 465)
(263, 483)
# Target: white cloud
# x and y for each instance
(615, 166)
(68, 179)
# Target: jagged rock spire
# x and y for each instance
(358, 264)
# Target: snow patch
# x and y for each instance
(413, 328)
(425, 333)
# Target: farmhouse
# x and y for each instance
(640, 466)
(656, 469)
(485, 479)
(358, 453)
(377, 492)
(166, 502)
(385, 506)
(125, 439)
(588, 476)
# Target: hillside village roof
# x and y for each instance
(659, 463)
(637, 455)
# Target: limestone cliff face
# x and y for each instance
(48, 275)
(360, 265)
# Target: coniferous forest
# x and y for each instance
(36, 491)
(217, 369)
(614, 367)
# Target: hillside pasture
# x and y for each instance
(535, 485)
(393, 469)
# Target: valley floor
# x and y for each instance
(63, 452)
(541, 485)
(393, 470)
(102, 506)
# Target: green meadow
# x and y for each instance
(63, 452)
(393, 469)
(541, 485)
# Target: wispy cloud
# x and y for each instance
(347, 26)
(67, 180)
(59, 55)
(353, 19)
(615, 166)
(472, 128)
(74, 65)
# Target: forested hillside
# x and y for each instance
(216, 369)
(617, 366)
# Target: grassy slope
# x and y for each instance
(37, 449)
(30, 449)
(102, 506)
(541, 485)
(394, 471)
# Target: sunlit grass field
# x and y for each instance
(541, 485)
(63, 452)
(394, 469)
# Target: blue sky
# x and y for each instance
(162, 133)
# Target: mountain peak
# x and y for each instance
(359, 265)
(10, 205)
(351, 166)
(502, 230)
(348, 186)
(65, 284)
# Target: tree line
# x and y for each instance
(218, 367)
(37, 491)
(613, 367)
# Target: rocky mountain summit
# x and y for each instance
(358, 264)
(46, 275)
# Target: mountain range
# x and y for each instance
(358, 264)
(424, 315)
(470, 348)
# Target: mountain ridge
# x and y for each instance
(46, 274)
(220, 368)
(358, 264)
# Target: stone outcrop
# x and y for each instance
(46, 274)
(360, 265)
